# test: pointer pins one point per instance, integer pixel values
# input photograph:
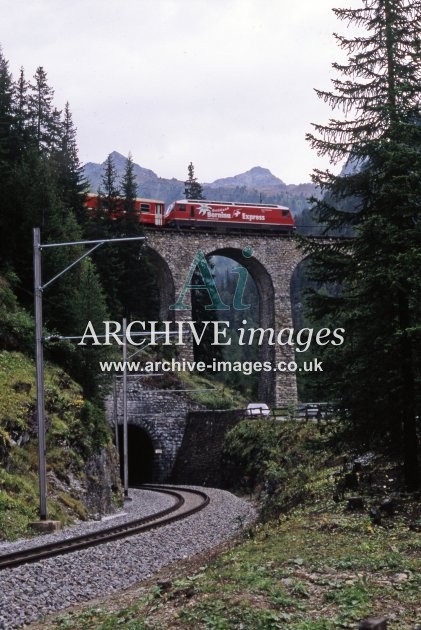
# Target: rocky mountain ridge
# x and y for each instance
(255, 185)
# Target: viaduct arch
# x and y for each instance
(271, 265)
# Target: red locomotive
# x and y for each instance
(228, 215)
(219, 216)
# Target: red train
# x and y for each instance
(220, 216)
(150, 211)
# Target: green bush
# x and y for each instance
(92, 432)
(16, 325)
(275, 460)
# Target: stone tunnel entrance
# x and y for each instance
(140, 455)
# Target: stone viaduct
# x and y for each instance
(271, 265)
(171, 439)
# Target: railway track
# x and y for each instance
(208, 231)
(187, 502)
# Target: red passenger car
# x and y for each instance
(149, 211)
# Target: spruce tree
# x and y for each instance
(40, 186)
(44, 118)
(6, 111)
(89, 304)
(7, 158)
(129, 187)
(71, 181)
(109, 191)
(376, 373)
(130, 289)
(137, 285)
(106, 224)
(21, 105)
(192, 188)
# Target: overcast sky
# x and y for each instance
(226, 84)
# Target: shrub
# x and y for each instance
(275, 460)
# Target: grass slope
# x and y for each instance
(74, 432)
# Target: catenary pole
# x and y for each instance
(125, 436)
(39, 360)
(39, 353)
(115, 416)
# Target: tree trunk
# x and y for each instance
(410, 438)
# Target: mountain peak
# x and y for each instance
(118, 159)
(94, 171)
(253, 178)
(259, 170)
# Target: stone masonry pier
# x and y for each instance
(271, 265)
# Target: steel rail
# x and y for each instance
(150, 229)
(158, 519)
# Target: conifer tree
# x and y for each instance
(6, 110)
(377, 371)
(89, 304)
(130, 290)
(71, 181)
(129, 187)
(109, 191)
(106, 224)
(192, 188)
(137, 286)
(6, 154)
(21, 105)
(44, 119)
(40, 186)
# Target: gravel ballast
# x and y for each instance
(31, 591)
(144, 503)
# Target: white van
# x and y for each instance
(257, 409)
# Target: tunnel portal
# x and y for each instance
(140, 455)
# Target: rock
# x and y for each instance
(373, 623)
(351, 481)
(388, 506)
(375, 515)
(45, 527)
(355, 503)
(20, 387)
(365, 460)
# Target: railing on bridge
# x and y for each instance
(315, 412)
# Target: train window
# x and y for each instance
(285, 213)
(181, 207)
(145, 207)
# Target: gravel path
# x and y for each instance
(28, 592)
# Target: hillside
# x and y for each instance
(257, 184)
(82, 473)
